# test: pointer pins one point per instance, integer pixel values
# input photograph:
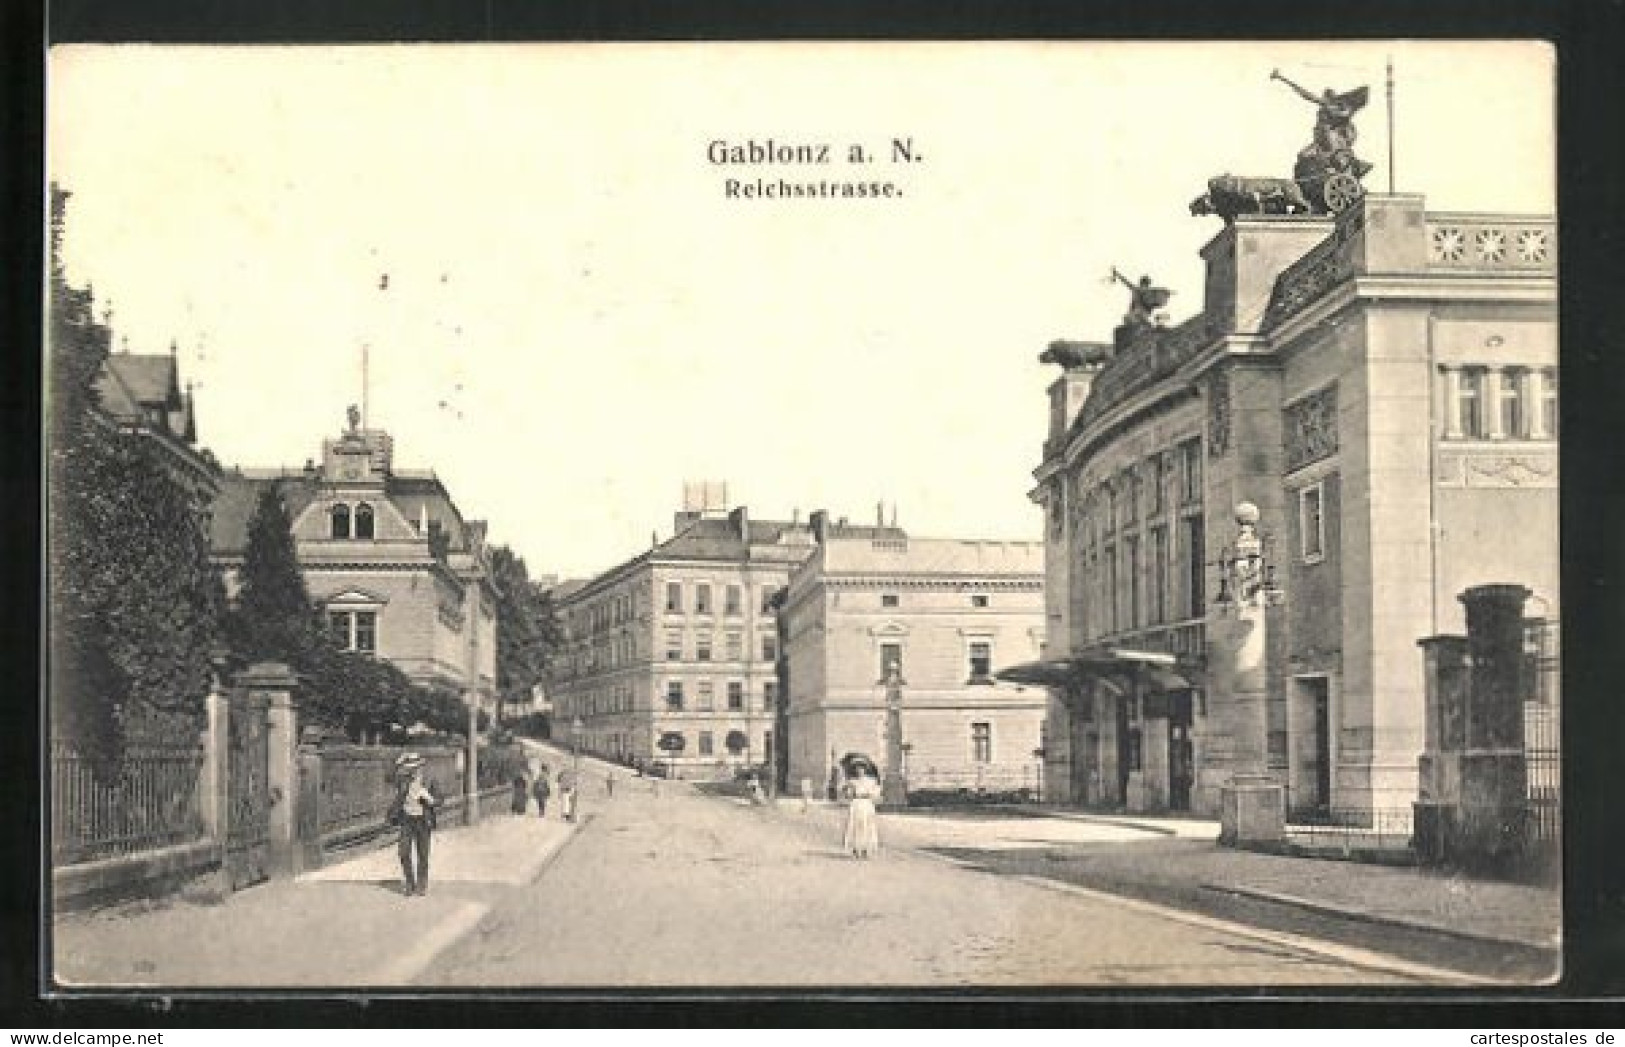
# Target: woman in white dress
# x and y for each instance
(862, 830)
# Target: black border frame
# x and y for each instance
(1588, 37)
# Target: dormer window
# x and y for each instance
(363, 520)
(341, 521)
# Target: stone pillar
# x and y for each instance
(1493, 765)
(1251, 811)
(307, 810)
(212, 778)
(1444, 736)
(274, 683)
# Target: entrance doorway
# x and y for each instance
(1181, 752)
(1128, 749)
(1315, 707)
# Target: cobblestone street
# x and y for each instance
(679, 889)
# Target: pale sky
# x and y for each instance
(567, 278)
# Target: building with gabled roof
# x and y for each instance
(141, 394)
(388, 558)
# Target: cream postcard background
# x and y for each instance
(577, 319)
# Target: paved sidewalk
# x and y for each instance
(1180, 860)
(345, 925)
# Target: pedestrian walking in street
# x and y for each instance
(806, 795)
(414, 811)
(567, 795)
(541, 790)
(862, 828)
(521, 794)
(609, 785)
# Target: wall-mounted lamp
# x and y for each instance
(1246, 577)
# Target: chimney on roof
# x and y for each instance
(739, 520)
(819, 521)
(894, 514)
(880, 514)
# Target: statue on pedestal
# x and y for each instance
(1145, 299)
(1325, 178)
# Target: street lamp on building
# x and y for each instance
(1246, 577)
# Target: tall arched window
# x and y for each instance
(341, 521)
(363, 520)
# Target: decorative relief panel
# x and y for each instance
(1310, 428)
(1218, 413)
(1470, 243)
(1493, 469)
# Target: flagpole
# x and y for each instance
(1390, 124)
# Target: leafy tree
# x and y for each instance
(132, 594)
(274, 619)
(527, 629)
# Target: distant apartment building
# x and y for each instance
(390, 563)
(672, 656)
(947, 613)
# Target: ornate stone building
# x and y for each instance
(388, 559)
(1254, 515)
(947, 613)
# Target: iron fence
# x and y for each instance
(1355, 828)
(150, 800)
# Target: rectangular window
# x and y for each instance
(1111, 509)
(978, 600)
(767, 599)
(1131, 552)
(1190, 459)
(704, 699)
(770, 648)
(1311, 525)
(1159, 575)
(674, 596)
(1470, 403)
(354, 630)
(770, 694)
(1135, 484)
(891, 654)
(981, 742)
(674, 695)
(736, 696)
(1196, 567)
(888, 599)
(731, 600)
(1159, 473)
(674, 646)
(702, 649)
(1514, 411)
(1112, 599)
(981, 661)
(1548, 402)
(705, 743)
(702, 598)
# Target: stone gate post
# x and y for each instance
(1493, 764)
(276, 683)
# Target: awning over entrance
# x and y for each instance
(1115, 666)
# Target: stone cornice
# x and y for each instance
(942, 582)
